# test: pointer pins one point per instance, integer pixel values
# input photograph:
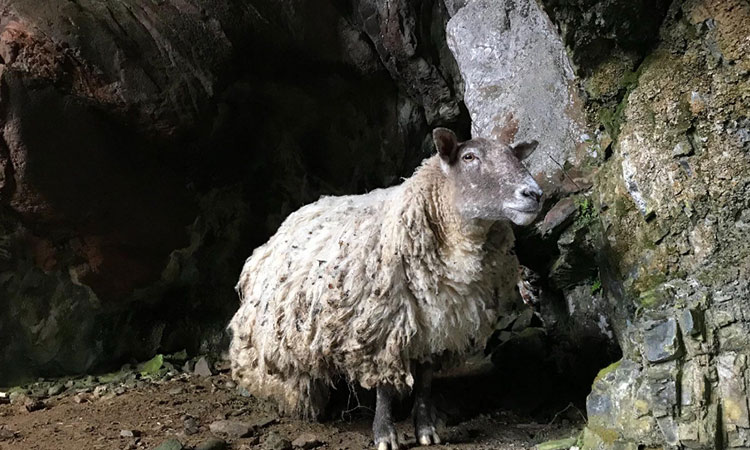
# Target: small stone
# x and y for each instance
(170, 444)
(264, 421)
(231, 428)
(99, 391)
(81, 397)
(129, 433)
(212, 444)
(176, 390)
(683, 148)
(230, 384)
(55, 389)
(274, 441)
(31, 405)
(6, 434)
(307, 441)
(190, 425)
(202, 368)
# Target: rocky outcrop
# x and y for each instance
(656, 251)
(147, 147)
(506, 51)
(674, 199)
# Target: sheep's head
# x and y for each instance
(489, 180)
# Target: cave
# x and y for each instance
(147, 147)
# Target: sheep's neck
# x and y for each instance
(455, 233)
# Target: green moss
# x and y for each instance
(609, 369)
(596, 286)
(558, 444)
(152, 366)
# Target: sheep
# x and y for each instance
(377, 288)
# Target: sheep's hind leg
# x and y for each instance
(383, 429)
(424, 412)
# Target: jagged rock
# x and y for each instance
(661, 341)
(203, 368)
(506, 51)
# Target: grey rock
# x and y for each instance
(55, 389)
(212, 444)
(231, 428)
(662, 341)
(190, 425)
(506, 51)
(170, 444)
(559, 215)
(307, 441)
(274, 441)
(129, 433)
(203, 368)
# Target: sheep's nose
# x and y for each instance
(533, 193)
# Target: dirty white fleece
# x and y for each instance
(360, 287)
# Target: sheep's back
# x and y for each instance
(302, 292)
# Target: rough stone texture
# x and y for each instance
(674, 198)
(606, 30)
(513, 61)
(147, 146)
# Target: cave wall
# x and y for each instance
(148, 147)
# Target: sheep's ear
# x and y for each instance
(523, 150)
(446, 144)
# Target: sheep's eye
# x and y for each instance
(468, 157)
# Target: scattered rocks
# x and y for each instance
(231, 428)
(212, 444)
(307, 441)
(274, 441)
(203, 368)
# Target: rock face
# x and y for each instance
(147, 147)
(513, 62)
(674, 199)
(661, 237)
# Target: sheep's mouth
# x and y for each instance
(534, 210)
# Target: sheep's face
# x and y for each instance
(489, 180)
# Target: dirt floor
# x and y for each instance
(140, 412)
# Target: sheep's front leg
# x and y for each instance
(383, 429)
(424, 412)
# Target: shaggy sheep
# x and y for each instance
(375, 288)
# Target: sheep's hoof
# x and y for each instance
(430, 437)
(388, 443)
